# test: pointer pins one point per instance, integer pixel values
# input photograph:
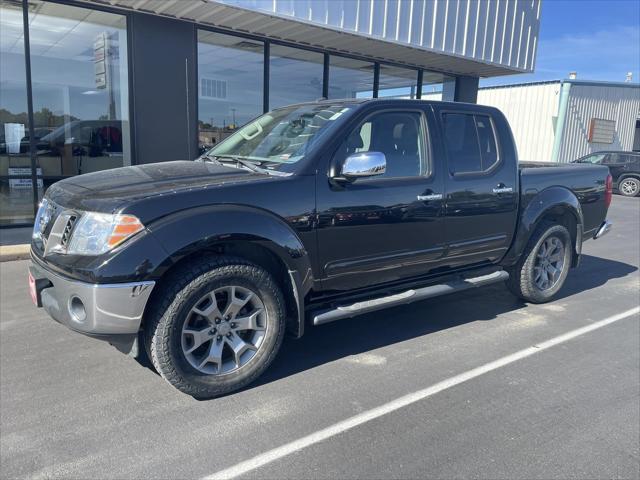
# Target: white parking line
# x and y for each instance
(340, 427)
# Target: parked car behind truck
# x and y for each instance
(309, 214)
(623, 166)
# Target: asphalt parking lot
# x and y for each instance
(73, 407)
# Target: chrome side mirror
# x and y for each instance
(363, 165)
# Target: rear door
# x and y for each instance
(618, 164)
(482, 187)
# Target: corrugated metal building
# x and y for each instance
(586, 104)
(87, 85)
(564, 120)
(502, 34)
(532, 111)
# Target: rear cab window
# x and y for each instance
(470, 143)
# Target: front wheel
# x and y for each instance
(543, 268)
(629, 187)
(220, 324)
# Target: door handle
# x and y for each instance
(502, 188)
(431, 196)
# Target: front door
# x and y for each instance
(481, 188)
(387, 227)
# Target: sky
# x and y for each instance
(598, 39)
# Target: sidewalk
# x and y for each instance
(14, 243)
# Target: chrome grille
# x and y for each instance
(53, 228)
(68, 229)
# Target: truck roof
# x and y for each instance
(360, 101)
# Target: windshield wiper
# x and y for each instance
(253, 166)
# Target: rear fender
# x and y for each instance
(552, 201)
(190, 232)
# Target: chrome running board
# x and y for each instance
(408, 296)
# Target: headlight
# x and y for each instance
(97, 233)
(42, 219)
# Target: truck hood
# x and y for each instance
(106, 191)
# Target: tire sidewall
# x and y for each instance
(176, 315)
(560, 232)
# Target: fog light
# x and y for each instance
(77, 310)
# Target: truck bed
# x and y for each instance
(586, 181)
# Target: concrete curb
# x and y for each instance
(9, 253)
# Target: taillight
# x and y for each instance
(608, 192)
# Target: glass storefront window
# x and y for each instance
(433, 84)
(79, 72)
(397, 82)
(349, 78)
(16, 188)
(295, 76)
(230, 85)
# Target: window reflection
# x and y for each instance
(16, 188)
(350, 78)
(433, 84)
(397, 82)
(295, 76)
(80, 90)
(230, 84)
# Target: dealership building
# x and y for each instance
(88, 85)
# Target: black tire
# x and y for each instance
(629, 187)
(522, 277)
(174, 301)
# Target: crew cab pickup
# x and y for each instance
(309, 214)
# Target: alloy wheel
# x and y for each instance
(224, 330)
(549, 263)
(629, 187)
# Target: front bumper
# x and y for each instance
(92, 309)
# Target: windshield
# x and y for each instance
(283, 136)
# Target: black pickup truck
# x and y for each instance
(309, 214)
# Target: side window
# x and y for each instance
(487, 140)
(470, 142)
(399, 135)
(598, 158)
(622, 159)
(612, 158)
(365, 136)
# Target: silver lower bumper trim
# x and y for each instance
(94, 309)
(604, 229)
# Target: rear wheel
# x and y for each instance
(219, 327)
(629, 187)
(543, 268)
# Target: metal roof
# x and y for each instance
(593, 83)
(599, 83)
(464, 37)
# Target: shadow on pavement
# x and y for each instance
(593, 272)
(368, 332)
